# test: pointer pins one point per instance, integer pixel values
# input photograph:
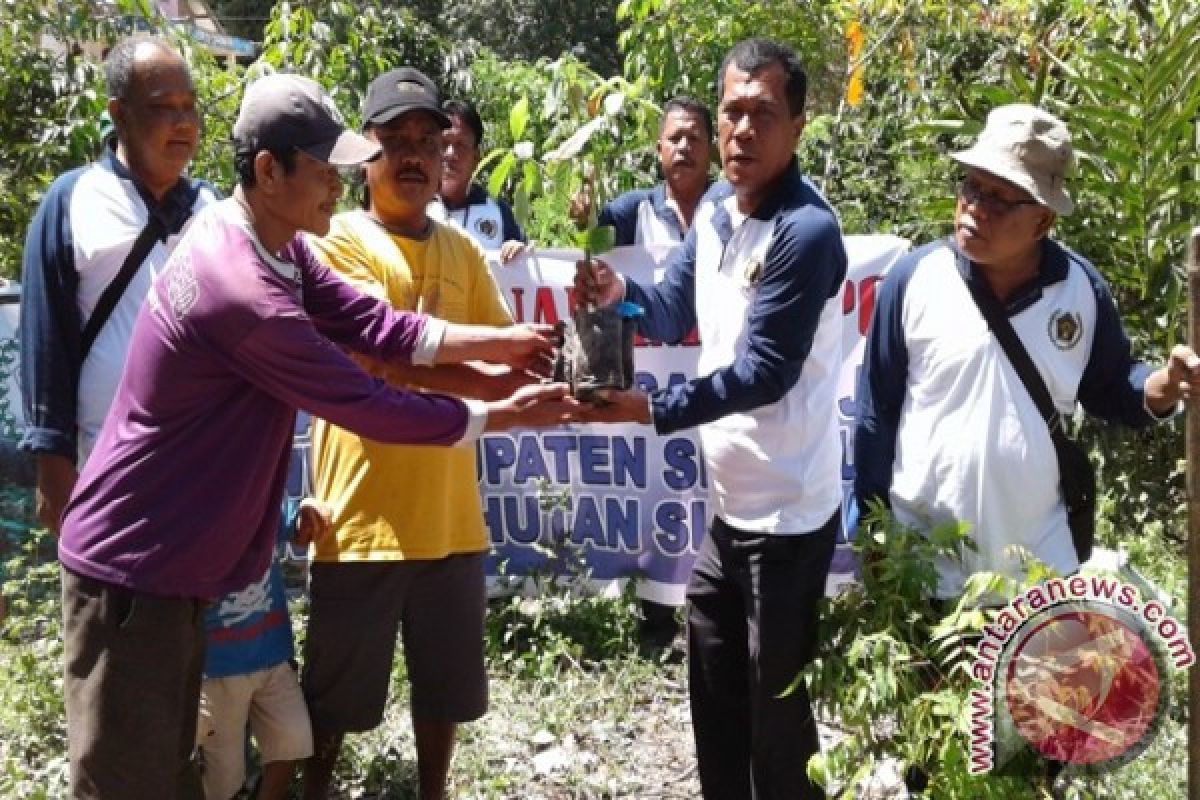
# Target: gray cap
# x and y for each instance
(1029, 148)
(282, 112)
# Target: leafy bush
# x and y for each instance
(33, 747)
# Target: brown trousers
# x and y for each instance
(133, 665)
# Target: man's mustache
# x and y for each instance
(412, 172)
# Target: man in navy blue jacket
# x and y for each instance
(662, 215)
(760, 274)
(947, 431)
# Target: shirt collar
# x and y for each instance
(780, 191)
(1052, 269)
(476, 196)
(281, 266)
(176, 203)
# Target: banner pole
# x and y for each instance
(1193, 495)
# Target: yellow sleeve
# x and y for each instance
(487, 304)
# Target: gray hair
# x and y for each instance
(118, 65)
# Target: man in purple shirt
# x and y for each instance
(178, 503)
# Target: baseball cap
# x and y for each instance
(282, 111)
(399, 91)
(1029, 148)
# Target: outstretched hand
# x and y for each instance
(534, 406)
(528, 347)
(629, 405)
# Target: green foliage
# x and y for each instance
(893, 672)
(530, 30)
(53, 98)
(678, 45)
(344, 45)
(570, 131)
(550, 617)
(1131, 98)
(33, 761)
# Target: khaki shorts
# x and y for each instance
(271, 701)
(356, 609)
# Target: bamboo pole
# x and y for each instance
(1193, 486)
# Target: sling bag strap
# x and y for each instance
(113, 292)
(1076, 475)
(1018, 356)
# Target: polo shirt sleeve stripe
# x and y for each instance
(882, 383)
(671, 304)
(1113, 383)
(622, 213)
(50, 330)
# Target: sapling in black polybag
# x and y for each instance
(597, 349)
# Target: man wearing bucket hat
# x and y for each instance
(947, 429)
(179, 502)
(415, 566)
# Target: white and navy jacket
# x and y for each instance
(80, 236)
(946, 429)
(642, 216)
(488, 220)
(765, 294)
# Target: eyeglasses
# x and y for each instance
(992, 204)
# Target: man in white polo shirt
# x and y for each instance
(488, 220)
(760, 273)
(947, 429)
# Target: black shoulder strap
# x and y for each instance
(1018, 356)
(113, 292)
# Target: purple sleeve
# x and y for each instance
(352, 319)
(286, 357)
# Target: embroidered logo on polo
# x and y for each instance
(1065, 329)
(180, 280)
(486, 227)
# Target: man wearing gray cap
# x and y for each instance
(178, 503)
(948, 428)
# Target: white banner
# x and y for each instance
(629, 502)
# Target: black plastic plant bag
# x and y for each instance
(597, 349)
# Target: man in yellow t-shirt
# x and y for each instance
(409, 549)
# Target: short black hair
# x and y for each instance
(752, 55)
(470, 117)
(690, 105)
(243, 164)
(118, 64)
